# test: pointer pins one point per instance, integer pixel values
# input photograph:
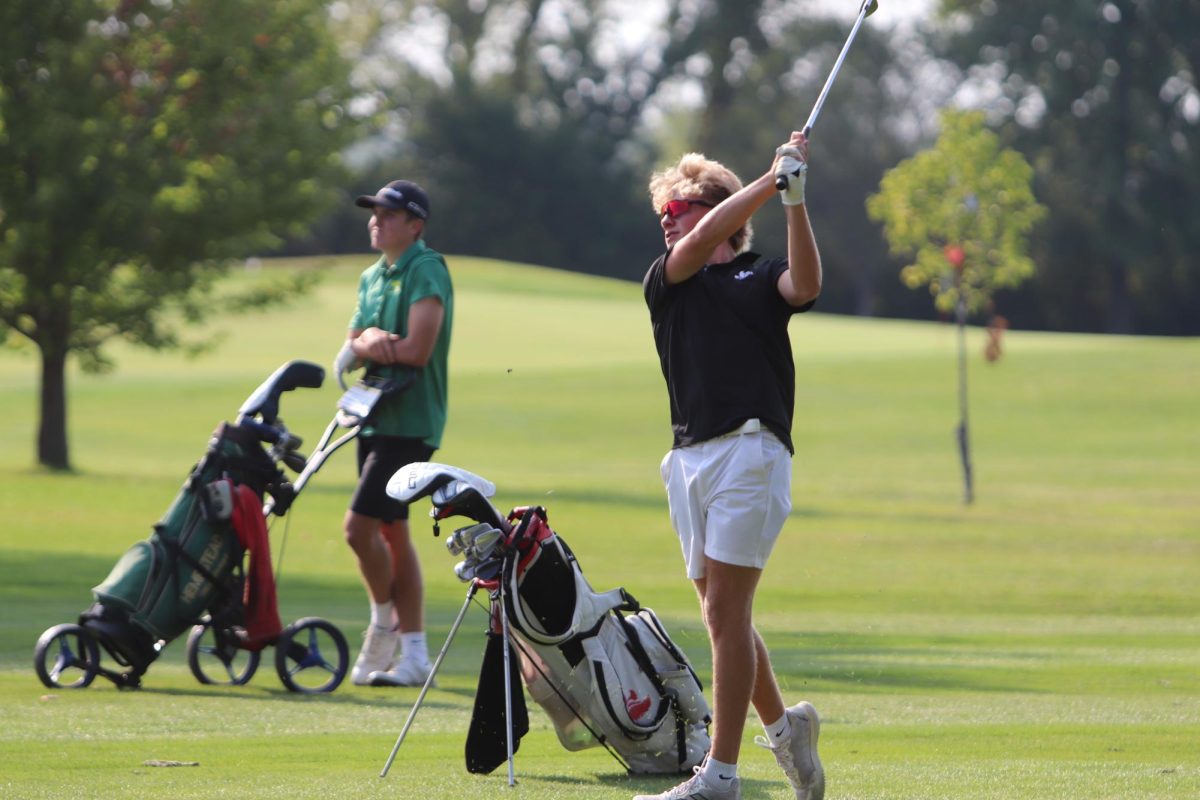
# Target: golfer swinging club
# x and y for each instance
(720, 316)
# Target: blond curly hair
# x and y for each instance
(702, 178)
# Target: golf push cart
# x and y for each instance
(189, 574)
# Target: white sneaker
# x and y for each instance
(694, 788)
(796, 753)
(378, 653)
(407, 673)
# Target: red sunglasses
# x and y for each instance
(677, 208)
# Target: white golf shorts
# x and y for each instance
(729, 497)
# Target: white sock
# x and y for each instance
(412, 646)
(718, 774)
(778, 730)
(383, 615)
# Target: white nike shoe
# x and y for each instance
(796, 752)
(378, 653)
(406, 673)
(694, 788)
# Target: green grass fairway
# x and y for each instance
(1042, 643)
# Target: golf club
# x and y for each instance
(868, 8)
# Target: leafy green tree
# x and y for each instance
(1103, 98)
(145, 143)
(963, 210)
(965, 192)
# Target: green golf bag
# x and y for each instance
(192, 562)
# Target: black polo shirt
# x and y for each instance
(723, 343)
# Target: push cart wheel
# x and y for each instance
(214, 657)
(311, 656)
(66, 657)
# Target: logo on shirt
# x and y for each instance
(741, 276)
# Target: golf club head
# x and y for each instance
(872, 7)
(464, 571)
(466, 540)
(486, 543)
(455, 544)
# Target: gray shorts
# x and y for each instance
(729, 497)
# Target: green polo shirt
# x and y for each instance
(385, 294)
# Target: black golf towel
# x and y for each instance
(487, 744)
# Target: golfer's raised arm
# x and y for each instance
(802, 281)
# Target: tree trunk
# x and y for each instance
(1120, 302)
(52, 430)
(865, 296)
(1117, 218)
(726, 22)
(716, 108)
(963, 431)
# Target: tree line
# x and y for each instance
(543, 155)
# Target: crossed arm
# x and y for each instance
(382, 347)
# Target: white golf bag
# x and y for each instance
(603, 668)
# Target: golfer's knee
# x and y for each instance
(358, 542)
(361, 536)
(725, 619)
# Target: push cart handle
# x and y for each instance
(264, 401)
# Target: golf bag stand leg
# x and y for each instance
(508, 711)
(429, 681)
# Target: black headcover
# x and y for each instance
(487, 743)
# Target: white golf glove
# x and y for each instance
(344, 362)
(792, 169)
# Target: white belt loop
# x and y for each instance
(752, 425)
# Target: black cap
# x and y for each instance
(398, 196)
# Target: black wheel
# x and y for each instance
(66, 657)
(214, 657)
(303, 653)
